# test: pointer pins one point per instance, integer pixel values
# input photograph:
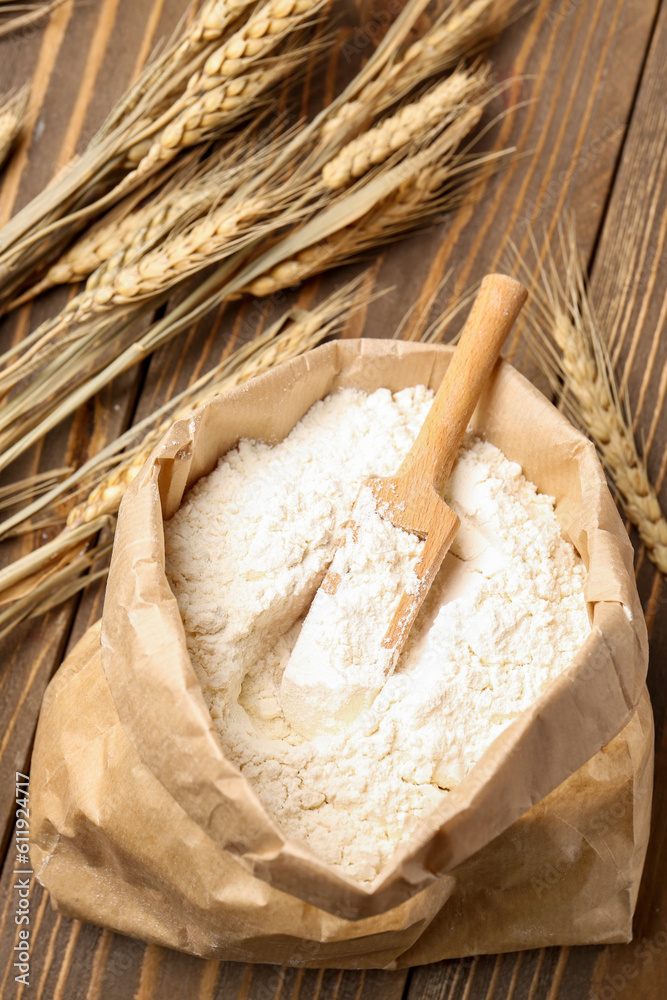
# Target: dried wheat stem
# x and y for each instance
(12, 118)
(44, 556)
(169, 263)
(26, 489)
(87, 328)
(216, 108)
(51, 587)
(33, 13)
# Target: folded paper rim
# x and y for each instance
(162, 708)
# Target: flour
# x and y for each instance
(246, 553)
(339, 664)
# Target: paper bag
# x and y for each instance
(141, 823)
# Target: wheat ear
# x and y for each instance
(409, 125)
(227, 81)
(12, 118)
(461, 31)
(129, 232)
(435, 181)
(457, 34)
(235, 223)
(166, 74)
(570, 349)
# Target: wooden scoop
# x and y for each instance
(317, 694)
(412, 499)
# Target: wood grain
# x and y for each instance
(629, 286)
(585, 137)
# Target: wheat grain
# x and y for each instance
(117, 242)
(570, 349)
(210, 25)
(12, 118)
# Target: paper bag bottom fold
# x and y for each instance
(114, 848)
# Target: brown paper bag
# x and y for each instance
(140, 822)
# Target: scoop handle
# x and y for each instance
(497, 305)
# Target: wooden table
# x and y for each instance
(593, 139)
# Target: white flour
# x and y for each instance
(346, 623)
(246, 553)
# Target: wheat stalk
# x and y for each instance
(12, 119)
(48, 588)
(133, 223)
(571, 351)
(23, 491)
